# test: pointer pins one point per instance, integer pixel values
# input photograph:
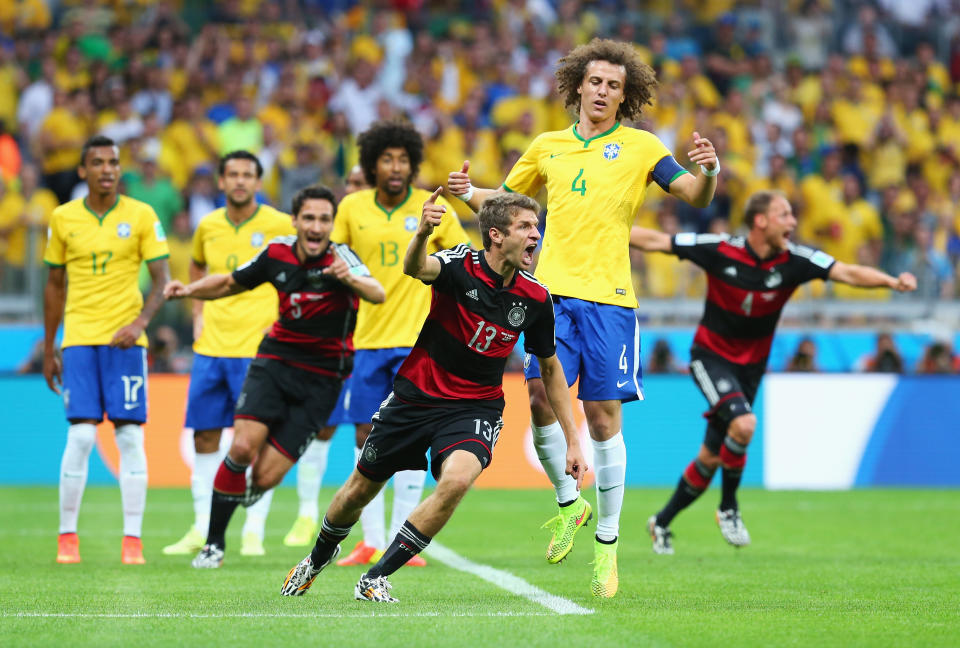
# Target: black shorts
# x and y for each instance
(293, 403)
(402, 433)
(729, 389)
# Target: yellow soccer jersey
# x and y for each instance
(380, 238)
(102, 257)
(594, 190)
(233, 326)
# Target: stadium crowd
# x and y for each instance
(851, 108)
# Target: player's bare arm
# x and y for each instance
(197, 271)
(867, 277)
(54, 296)
(649, 240)
(128, 335)
(208, 288)
(458, 183)
(367, 288)
(556, 386)
(416, 263)
(698, 189)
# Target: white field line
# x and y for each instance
(505, 580)
(263, 615)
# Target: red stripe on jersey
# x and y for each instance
(310, 343)
(736, 253)
(495, 341)
(737, 350)
(430, 378)
(283, 252)
(783, 257)
(749, 303)
(299, 365)
(310, 304)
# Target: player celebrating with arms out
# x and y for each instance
(448, 394)
(749, 280)
(226, 334)
(95, 248)
(292, 385)
(596, 174)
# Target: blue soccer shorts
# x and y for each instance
(369, 385)
(215, 385)
(101, 378)
(600, 345)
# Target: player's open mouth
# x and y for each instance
(527, 256)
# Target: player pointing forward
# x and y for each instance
(448, 394)
(749, 279)
(596, 174)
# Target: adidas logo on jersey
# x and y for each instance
(472, 294)
(730, 271)
(282, 276)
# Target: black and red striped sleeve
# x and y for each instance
(255, 271)
(810, 263)
(451, 261)
(541, 338)
(702, 249)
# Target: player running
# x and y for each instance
(95, 248)
(749, 279)
(448, 394)
(226, 334)
(293, 383)
(596, 174)
(378, 223)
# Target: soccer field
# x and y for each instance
(872, 567)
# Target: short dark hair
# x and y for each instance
(388, 134)
(313, 192)
(759, 203)
(498, 213)
(93, 142)
(240, 155)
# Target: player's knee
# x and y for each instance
(326, 432)
(363, 431)
(242, 450)
(206, 441)
(267, 479)
(358, 491)
(82, 437)
(741, 428)
(709, 459)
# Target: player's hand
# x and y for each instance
(576, 464)
(458, 182)
(338, 270)
(175, 290)
(703, 152)
(127, 336)
(432, 213)
(53, 370)
(906, 282)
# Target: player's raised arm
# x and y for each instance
(556, 386)
(127, 336)
(458, 183)
(416, 263)
(54, 296)
(210, 287)
(649, 240)
(867, 277)
(697, 190)
(363, 284)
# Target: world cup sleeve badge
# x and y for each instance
(611, 151)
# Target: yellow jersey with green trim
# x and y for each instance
(380, 238)
(233, 326)
(102, 256)
(594, 190)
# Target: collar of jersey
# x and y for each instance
(493, 274)
(389, 212)
(236, 228)
(586, 142)
(106, 213)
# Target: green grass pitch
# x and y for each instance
(857, 568)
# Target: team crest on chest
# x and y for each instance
(410, 223)
(517, 314)
(257, 239)
(773, 280)
(315, 276)
(611, 151)
(124, 230)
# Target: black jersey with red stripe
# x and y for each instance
(745, 294)
(314, 328)
(474, 323)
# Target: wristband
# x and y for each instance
(465, 197)
(710, 174)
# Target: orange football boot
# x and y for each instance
(132, 551)
(68, 548)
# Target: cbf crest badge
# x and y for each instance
(516, 314)
(410, 223)
(611, 151)
(123, 230)
(257, 239)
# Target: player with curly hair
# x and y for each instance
(378, 224)
(596, 174)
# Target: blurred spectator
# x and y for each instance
(812, 31)
(166, 356)
(866, 26)
(155, 98)
(662, 360)
(152, 188)
(61, 137)
(804, 358)
(306, 170)
(243, 131)
(935, 279)
(10, 159)
(939, 358)
(886, 358)
(201, 195)
(37, 99)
